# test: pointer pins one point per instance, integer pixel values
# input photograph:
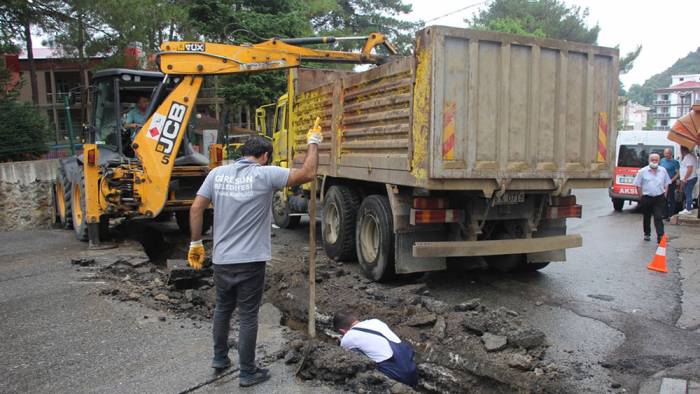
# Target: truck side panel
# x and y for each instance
(505, 106)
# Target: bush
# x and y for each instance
(24, 132)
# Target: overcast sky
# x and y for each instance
(667, 29)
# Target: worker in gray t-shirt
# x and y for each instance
(242, 197)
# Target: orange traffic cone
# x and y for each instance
(658, 263)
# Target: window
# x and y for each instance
(280, 118)
(106, 115)
(664, 123)
(664, 97)
(637, 156)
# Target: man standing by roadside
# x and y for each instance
(671, 166)
(242, 197)
(688, 178)
(652, 182)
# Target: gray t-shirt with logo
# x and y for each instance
(242, 196)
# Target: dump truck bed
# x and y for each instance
(470, 110)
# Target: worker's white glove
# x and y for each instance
(314, 135)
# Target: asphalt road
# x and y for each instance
(59, 335)
(609, 320)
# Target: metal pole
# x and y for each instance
(312, 260)
(69, 125)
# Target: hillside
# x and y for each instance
(644, 94)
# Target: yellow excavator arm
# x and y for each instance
(157, 143)
(201, 58)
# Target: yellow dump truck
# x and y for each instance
(469, 147)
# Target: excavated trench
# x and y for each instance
(459, 348)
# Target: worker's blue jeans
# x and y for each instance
(688, 191)
(242, 285)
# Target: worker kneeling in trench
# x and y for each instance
(374, 339)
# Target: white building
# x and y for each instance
(674, 101)
(635, 116)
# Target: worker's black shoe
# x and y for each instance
(248, 379)
(220, 363)
(647, 237)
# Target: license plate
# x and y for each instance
(625, 179)
(509, 198)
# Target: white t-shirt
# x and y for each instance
(374, 346)
(689, 160)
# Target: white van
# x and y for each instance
(632, 151)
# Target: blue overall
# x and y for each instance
(400, 365)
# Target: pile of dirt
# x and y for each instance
(459, 348)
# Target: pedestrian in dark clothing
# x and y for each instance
(652, 182)
(671, 166)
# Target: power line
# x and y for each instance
(456, 11)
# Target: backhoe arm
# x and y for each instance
(212, 59)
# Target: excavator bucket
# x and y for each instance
(686, 130)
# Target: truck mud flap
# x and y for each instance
(495, 247)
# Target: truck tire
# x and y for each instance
(183, 221)
(63, 190)
(374, 234)
(618, 204)
(78, 211)
(281, 213)
(340, 206)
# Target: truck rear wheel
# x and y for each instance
(280, 212)
(618, 204)
(64, 191)
(183, 221)
(340, 206)
(78, 211)
(374, 238)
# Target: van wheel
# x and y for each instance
(532, 267)
(340, 206)
(374, 238)
(618, 204)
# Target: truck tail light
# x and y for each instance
(219, 154)
(91, 157)
(563, 201)
(429, 203)
(571, 211)
(429, 216)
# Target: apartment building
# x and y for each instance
(674, 101)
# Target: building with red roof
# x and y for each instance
(674, 101)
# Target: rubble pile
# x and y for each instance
(463, 347)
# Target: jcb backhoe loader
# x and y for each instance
(156, 172)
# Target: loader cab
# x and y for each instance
(115, 93)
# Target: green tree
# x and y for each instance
(18, 18)
(540, 18)
(23, 131)
(243, 21)
(360, 17)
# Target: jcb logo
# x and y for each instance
(171, 129)
(195, 47)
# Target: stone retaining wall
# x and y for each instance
(26, 194)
